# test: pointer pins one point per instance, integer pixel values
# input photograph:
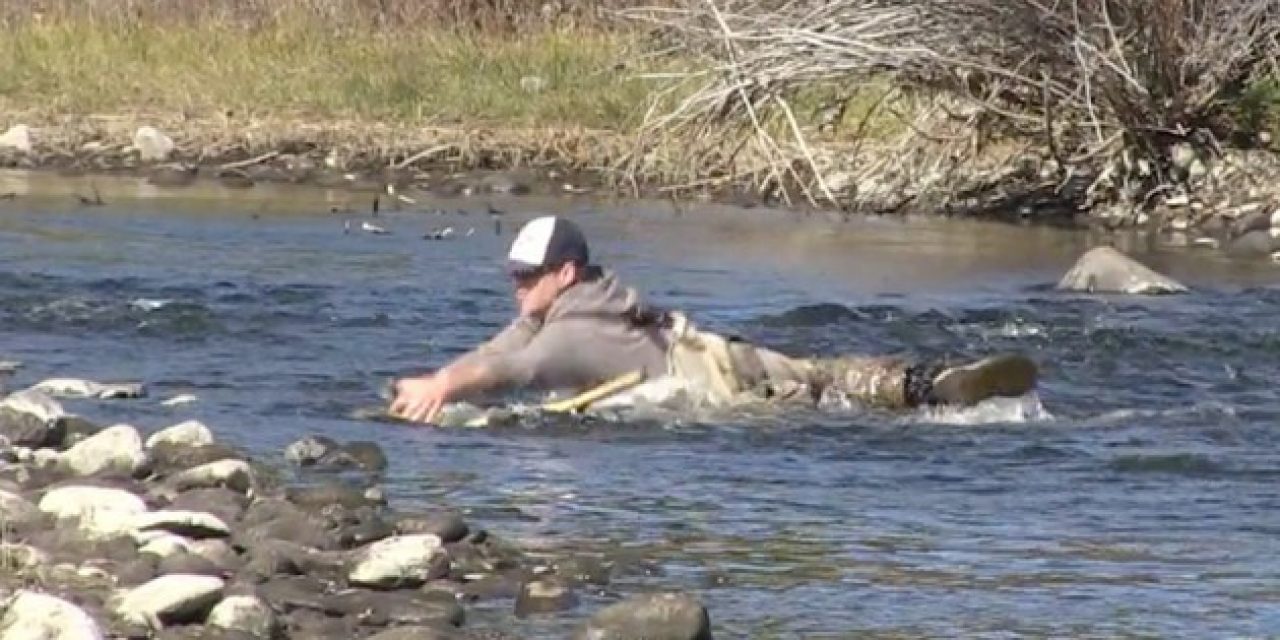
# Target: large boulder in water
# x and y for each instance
(654, 616)
(1106, 270)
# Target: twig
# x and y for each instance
(422, 154)
(250, 162)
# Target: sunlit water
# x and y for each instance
(1135, 495)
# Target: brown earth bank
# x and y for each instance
(168, 533)
(1232, 203)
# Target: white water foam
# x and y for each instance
(1023, 409)
(148, 304)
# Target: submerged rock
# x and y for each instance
(317, 497)
(178, 400)
(414, 633)
(1259, 242)
(38, 616)
(364, 454)
(544, 596)
(380, 608)
(656, 616)
(1106, 270)
(80, 388)
(583, 569)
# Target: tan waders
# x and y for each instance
(730, 371)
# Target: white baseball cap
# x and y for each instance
(546, 242)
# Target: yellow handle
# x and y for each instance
(584, 399)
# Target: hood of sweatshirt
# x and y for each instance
(603, 296)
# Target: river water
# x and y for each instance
(1134, 496)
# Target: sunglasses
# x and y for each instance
(529, 276)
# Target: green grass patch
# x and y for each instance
(1259, 106)
(315, 69)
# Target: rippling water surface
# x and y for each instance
(1137, 497)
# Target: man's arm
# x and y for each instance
(514, 336)
(421, 399)
(552, 359)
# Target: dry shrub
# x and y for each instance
(731, 117)
(1127, 92)
(1120, 87)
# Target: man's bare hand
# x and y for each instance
(419, 399)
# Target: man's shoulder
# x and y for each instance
(604, 297)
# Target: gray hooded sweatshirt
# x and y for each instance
(595, 331)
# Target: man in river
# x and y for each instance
(578, 327)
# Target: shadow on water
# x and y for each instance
(1135, 496)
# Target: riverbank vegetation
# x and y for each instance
(434, 64)
(866, 104)
(1079, 102)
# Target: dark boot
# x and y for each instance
(1007, 375)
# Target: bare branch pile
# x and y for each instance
(731, 114)
(1115, 100)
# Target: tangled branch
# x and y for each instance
(1128, 92)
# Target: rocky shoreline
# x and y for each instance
(1234, 205)
(110, 533)
(439, 162)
